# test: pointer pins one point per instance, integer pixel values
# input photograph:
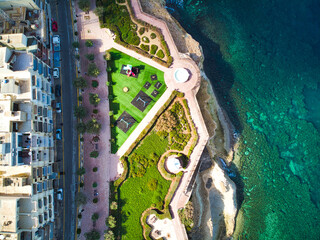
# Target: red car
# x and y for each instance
(54, 26)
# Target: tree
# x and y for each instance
(89, 43)
(81, 127)
(99, 11)
(80, 112)
(80, 82)
(76, 44)
(111, 221)
(81, 199)
(93, 70)
(109, 235)
(107, 56)
(84, 5)
(93, 126)
(93, 235)
(95, 217)
(94, 99)
(94, 154)
(90, 56)
(114, 205)
(81, 171)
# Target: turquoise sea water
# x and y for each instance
(263, 59)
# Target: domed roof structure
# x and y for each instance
(181, 75)
(173, 164)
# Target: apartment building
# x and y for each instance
(26, 141)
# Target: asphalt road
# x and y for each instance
(67, 150)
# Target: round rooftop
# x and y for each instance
(181, 75)
(173, 164)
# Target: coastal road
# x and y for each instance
(69, 146)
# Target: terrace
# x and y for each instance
(131, 94)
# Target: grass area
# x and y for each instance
(122, 100)
(152, 144)
(137, 198)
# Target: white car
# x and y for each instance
(56, 39)
(56, 73)
(58, 107)
(60, 194)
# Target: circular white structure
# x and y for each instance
(173, 164)
(181, 75)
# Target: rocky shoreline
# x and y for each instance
(214, 190)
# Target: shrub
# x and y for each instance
(95, 169)
(111, 221)
(95, 200)
(95, 217)
(79, 112)
(153, 184)
(95, 184)
(153, 35)
(144, 47)
(142, 30)
(93, 235)
(94, 83)
(80, 98)
(110, 113)
(79, 215)
(77, 56)
(93, 70)
(94, 154)
(81, 127)
(90, 56)
(154, 49)
(145, 40)
(114, 205)
(78, 230)
(81, 199)
(96, 139)
(82, 139)
(94, 99)
(75, 44)
(76, 33)
(95, 111)
(160, 54)
(81, 184)
(89, 43)
(80, 82)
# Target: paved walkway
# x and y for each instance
(107, 163)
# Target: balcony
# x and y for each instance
(24, 157)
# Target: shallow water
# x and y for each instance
(263, 60)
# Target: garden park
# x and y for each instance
(131, 95)
(146, 186)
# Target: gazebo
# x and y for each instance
(181, 75)
(173, 164)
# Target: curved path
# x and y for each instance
(109, 165)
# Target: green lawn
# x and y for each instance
(137, 197)
(121, 100)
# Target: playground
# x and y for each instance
(134, 87)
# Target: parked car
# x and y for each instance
(57, 90)
(58, 107)
(54, 26)
(60, 194)
(58, 134)
(56, 73)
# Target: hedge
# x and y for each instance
(145, 47)
(154, 49)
